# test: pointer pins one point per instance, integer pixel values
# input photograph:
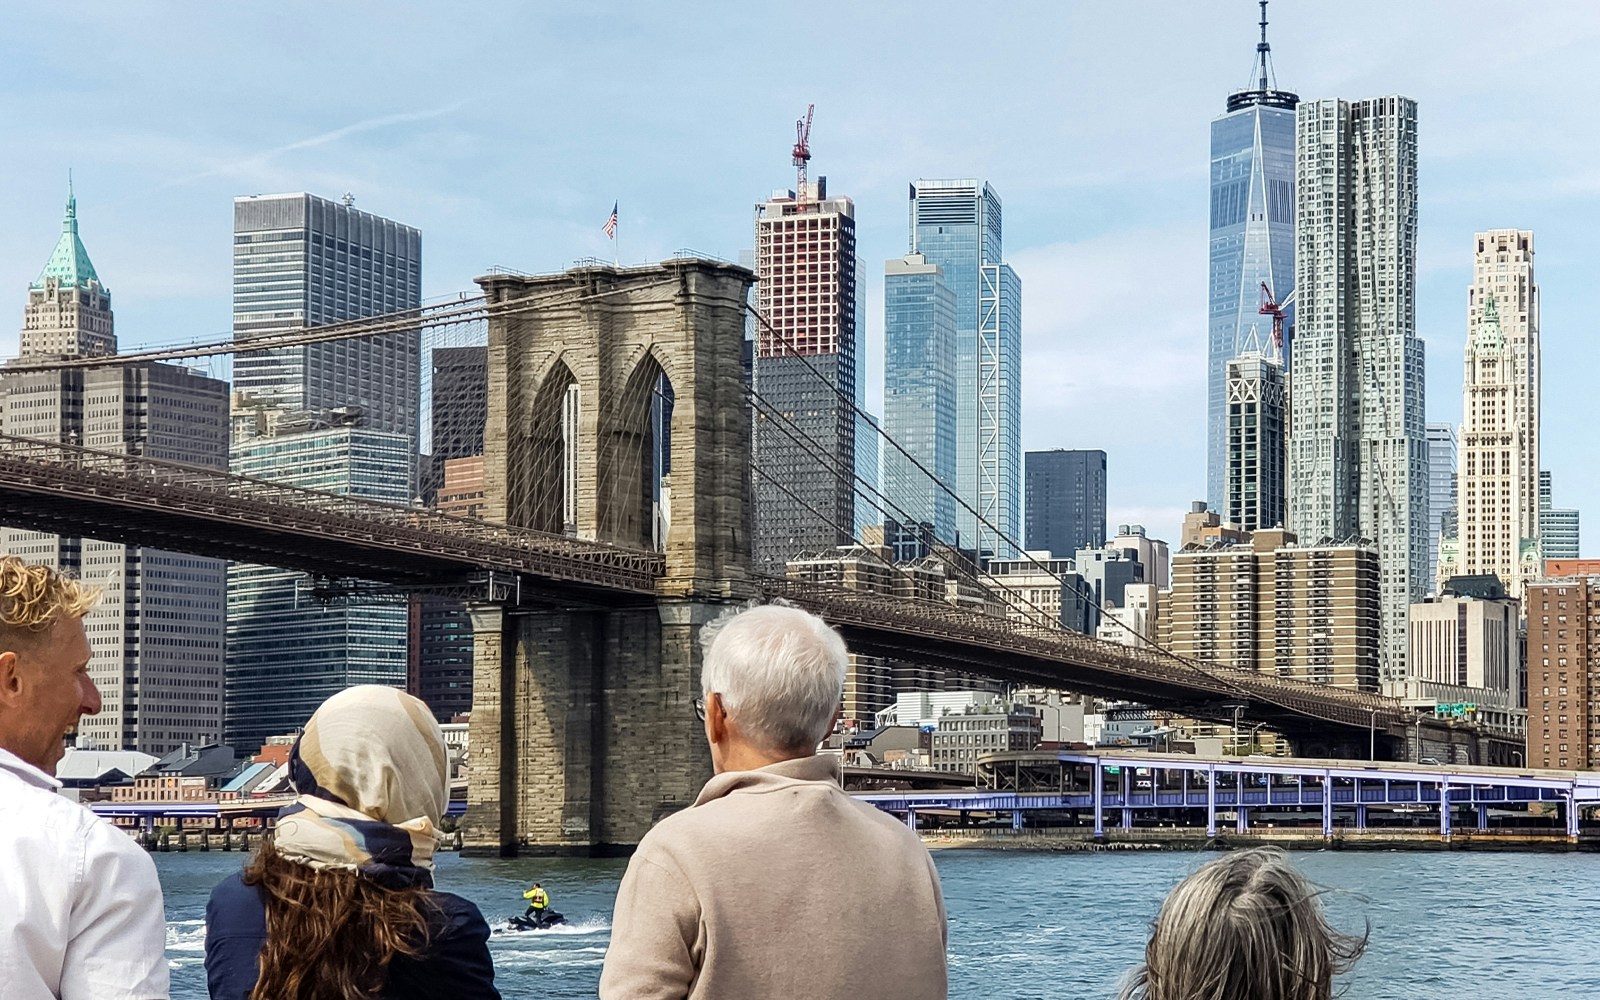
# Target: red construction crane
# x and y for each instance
(1272, 307)
(802, 153)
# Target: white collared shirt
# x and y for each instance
(81, 913)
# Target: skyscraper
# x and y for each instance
(301, 260)
(1442, 491)
(1498, 520)
(1066, 501)
(1358, 457)
(1498, 501)
(1252, 238)
(919, 394)
(340, 416)
(956, 224)
(160, 685)
(69, 311)
(1257, 421)
(1558, 526)
(805, 434)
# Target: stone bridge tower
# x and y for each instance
(583, 730)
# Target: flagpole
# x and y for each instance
(616, 244)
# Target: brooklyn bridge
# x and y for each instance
(586, 607)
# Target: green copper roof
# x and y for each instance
(1488, 335)
(70, 261)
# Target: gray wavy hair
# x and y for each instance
(780, 672)
(1244, 927)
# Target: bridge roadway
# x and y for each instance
(1104, 782)
(71, 490)
(180, 508)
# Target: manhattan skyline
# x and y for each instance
(510, 148)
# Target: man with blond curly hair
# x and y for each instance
(80, 907)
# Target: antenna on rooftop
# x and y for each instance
(1263, 50)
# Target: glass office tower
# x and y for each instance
(1252, 242)
(1066, 501)
(919, 394)
(956, 224)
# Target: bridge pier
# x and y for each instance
(583, 727)
(602, 740)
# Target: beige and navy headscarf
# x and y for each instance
(373, 782)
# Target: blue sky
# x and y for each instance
(505, 132)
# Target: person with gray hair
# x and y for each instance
(775, 883)
(1244, 927)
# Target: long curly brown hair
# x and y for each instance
(331, 935)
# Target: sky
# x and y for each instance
(505, 131)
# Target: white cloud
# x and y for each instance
(253, 163)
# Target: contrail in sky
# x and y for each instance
(370, 124)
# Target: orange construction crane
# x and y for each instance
(802, 153)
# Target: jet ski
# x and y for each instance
(546, 920)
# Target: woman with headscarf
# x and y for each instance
(339, 903)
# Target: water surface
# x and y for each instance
(1065, 926)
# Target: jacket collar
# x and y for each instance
(816, 768)
(27, 772)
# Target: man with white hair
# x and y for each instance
(775, 883)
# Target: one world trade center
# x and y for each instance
(1252, 240)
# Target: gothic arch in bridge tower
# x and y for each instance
(540, 495)
(630, 458)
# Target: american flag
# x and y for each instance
(611, 224)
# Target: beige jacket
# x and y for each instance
(777, 884)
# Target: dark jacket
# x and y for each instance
(456, 965)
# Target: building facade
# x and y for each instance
(290, 646)
(1137, 622)
(1043, 590)
(458, 410)
(1563, 661)
(1308, 612)
(805, 433)
(1442, 491)
(1257, 446)
(1558, 526)
(1252, 240)
(300, 260)
(156, 634)
(919, 394)
(1466, 650)
(1066, 501)
(1204, 528)
(995, 726)
(1498, 502)
(1358, 458)
(956, 224)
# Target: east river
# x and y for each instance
(1050, 926)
